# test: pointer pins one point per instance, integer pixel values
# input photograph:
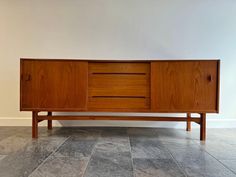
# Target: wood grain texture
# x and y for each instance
(54, 85)
(188, 123)
(27, 89)
(119, 86)
(118, 103)
(187, 86)
(176, 86)
(49, 121)
(203, 127)
(35, 124)
(128, 118)
(119, 67)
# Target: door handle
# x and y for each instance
(26, 77)
(210, 78)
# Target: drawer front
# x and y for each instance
(119, 67)
(119, 86)
(119, 103)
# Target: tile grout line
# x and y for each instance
(214, 157)
(91, 155)
(219, 161)
(53, 152)
(132, 162)
(223, 164)
(177, 163)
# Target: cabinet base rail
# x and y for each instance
(188, 119)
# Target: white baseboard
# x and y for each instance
(26, 121)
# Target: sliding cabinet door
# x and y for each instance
(184, 86)
(54, 85)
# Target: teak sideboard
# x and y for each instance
(135, 86)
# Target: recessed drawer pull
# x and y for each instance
(120, 73)
(118, 97)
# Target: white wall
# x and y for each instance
(116, 29)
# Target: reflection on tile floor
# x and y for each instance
(116, 152)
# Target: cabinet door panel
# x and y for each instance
(54, 85)
(184, 86)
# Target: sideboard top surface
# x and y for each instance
(119, 60)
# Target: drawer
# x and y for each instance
(119, 85)
(118, 103)
(119, 67)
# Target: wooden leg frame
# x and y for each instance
(49, 121)
(35, 124)
(203, 127)
(49, 117)
(36, 120)
(202, 124)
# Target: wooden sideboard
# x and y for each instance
(147, 86)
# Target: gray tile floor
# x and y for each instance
(116, 152)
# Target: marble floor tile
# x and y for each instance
(116, 152)
(104, 164)
(76, 147)
(225, 135)
(160, 133)
(111, 156)
(114, 132)
(231, 164)
(2, 136)
(26, 132)
(13, 144)
(156, 167)
(61, 167)
(180, 144)
(6, 132)
(220, 150)
(148, 149)
(10, 130)
(196, 162)
(22, 162)
(2, 157)
(84, 133)
(120, 145)
(113, 143)
(148, 133)
(217, 135)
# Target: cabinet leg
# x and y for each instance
(203, 127)
(34, 124)
(188, 123)
(49, 121)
